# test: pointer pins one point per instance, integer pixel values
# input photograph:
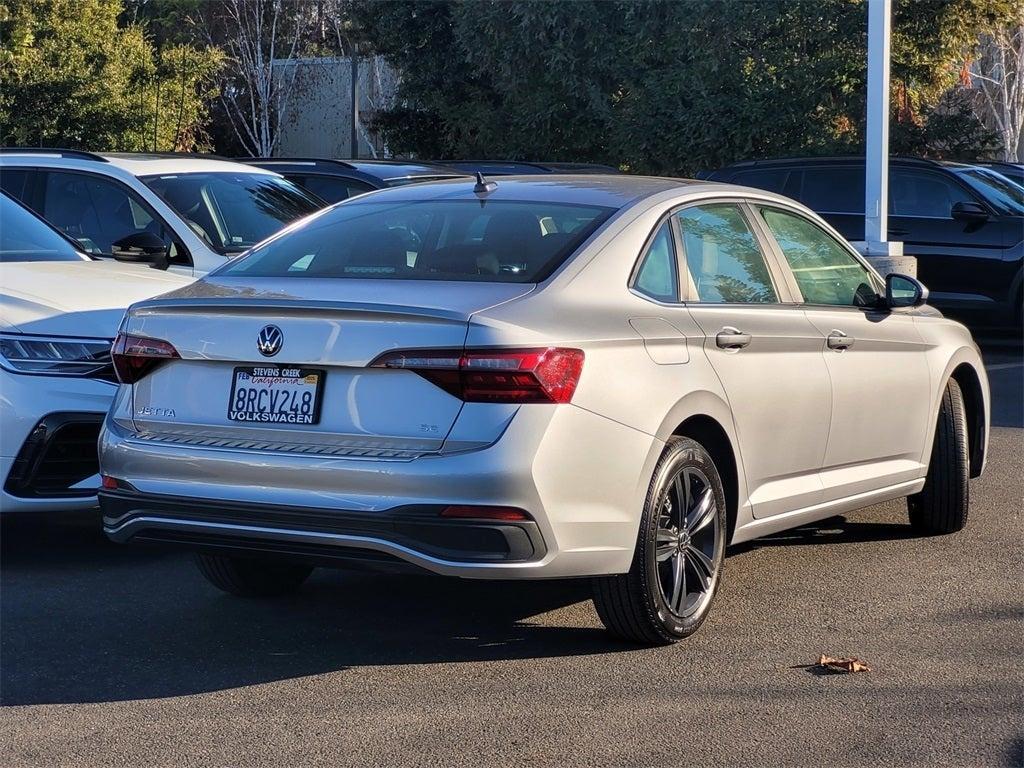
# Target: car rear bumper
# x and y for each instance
(579, 476)
(418, 536)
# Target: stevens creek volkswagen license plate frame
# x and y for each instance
(284, 405)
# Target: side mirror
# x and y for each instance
(141, 248)
(969, 213)
(904, 291)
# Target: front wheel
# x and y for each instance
(941, 506)
(679, 555)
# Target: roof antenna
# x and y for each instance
(482, 186)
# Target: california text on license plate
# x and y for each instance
(276, 395)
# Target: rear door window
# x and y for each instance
(724, 260)
(833, 190)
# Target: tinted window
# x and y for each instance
(723, 257)
(657, 274)
(331, 189)
(233, 211)
(23, 237)
(12, 181)
(825, 271)
(1005, 195)
(919, 193)
(772, 179)
(833, 190)
(97, 212)
(495, 240)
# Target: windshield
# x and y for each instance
(494, 240)
(233, 211)
(1004, 195)
(23, 237)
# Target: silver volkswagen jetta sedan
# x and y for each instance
(602, 376)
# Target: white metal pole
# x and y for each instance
(876, 187)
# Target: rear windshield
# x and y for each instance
(494, 240)
(233, 211)
(23, 237)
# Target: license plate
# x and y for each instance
(276, 395)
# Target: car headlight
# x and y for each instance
(55, 355)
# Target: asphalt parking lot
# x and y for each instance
(118, 656)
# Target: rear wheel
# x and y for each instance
(941, 506)
(253, 577)
(679, 553)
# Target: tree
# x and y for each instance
(73, 77)
(663, 87)
(260, 38)
(998, 77)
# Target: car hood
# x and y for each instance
(75, 298)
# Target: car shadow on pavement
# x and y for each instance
(84, 620)
(834, 530)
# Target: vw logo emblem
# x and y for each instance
(270, 340)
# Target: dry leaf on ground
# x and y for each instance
(848, 664)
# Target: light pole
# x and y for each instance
(876, 242)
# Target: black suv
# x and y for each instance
(964, 223)
(337, 180)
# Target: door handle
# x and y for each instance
(898, 231)
(732, 338)
(839, 341)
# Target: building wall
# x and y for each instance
(318, 118)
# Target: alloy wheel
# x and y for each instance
(687, 543)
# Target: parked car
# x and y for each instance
(523, 168)
(337, 180)
(964, 224)
(1013, 171)
(59, 311)
(606, 376)
(183, 212)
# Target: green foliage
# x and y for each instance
(658, 87)
(71, 76)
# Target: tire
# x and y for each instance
(941, 506)
(644, 605)
(251, 577)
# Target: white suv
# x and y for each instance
(182, 212)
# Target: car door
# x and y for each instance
(876, 359)
(764, 350)
(98, 211)
(958, 260)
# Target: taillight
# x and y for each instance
(544, 375)
(135, 356)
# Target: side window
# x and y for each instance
(724, 261)
(98, 212)
(916, 193)
(833, 190)
(825, 271)
(657, 274)
(12, 181)
(332, 189)
(772, 179)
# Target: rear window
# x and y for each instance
(494, 240)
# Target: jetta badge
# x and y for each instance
(270, 340)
